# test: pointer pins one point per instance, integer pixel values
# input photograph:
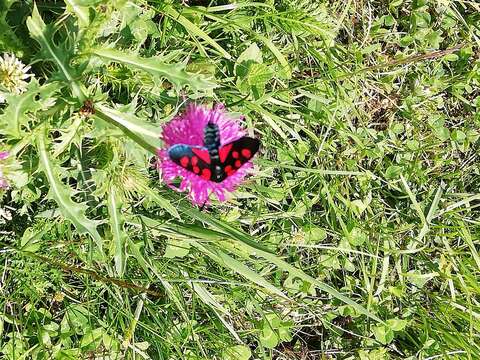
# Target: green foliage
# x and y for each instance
(358, 231)
(174, 73)
(60, 55)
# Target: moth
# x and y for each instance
(213, 161)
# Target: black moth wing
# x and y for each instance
(184, 156)
(235, 154)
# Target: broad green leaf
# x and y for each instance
(72, 211)
(393, 171)
(76, 319)
(116, 220)
(175, 73)
(397, 324)
(59, 55)
(237, 352)
(92, 338)
(314, 234)
(419, 279)
(251, 54)
(268, 337)
(383, 333)
(356, 237)
(31, 239)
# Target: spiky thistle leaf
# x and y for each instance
(62, 195)
(174, 73)
(61, 55)
(20, 107)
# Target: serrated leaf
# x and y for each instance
(67, 136)
(16, 115)
(174, 73)
(383, 334)
(59, 55)
(61, 194)
(117, 221)
(8, 38)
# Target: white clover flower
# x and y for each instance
(13, 75)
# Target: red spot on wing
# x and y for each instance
(231, 172)
(206, 174)
(228, 168)
(246, 153)
(224, 151)
(184, 161)
(194, 161)
(196, 169)
(235, 154)
(238, 163)
(202, 154)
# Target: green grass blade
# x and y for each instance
(467, 237)
(195, 30)
(229, 262)
(252, 247)
(116, 219)
(208, 299)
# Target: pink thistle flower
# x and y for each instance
(188, 128)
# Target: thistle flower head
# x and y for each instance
(188, 128)
(13, 75)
